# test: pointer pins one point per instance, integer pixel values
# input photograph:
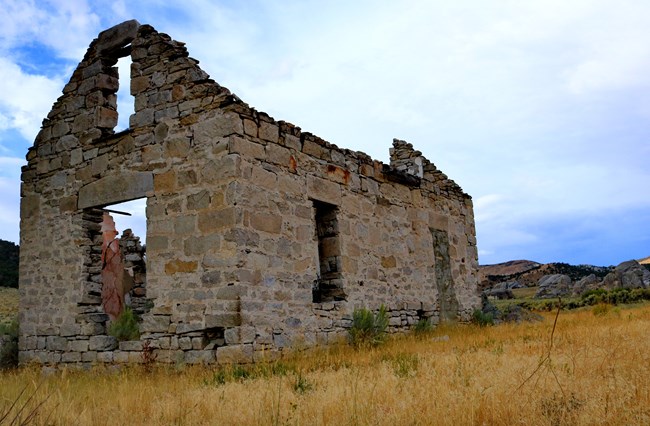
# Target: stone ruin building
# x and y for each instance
(260, 237)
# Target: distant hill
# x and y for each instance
(9, 253)
(528, 273)
(644, 261)
(507, 268)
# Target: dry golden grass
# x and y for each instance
(8, 304)
(597, 373)
(524, 292)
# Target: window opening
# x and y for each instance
(125, 101)
(329, 285)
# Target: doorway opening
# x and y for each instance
(116, 262)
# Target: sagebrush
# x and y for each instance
(368, 328)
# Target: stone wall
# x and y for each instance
(260, 237)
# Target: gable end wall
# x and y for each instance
(232, 247)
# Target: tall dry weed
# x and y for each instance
(597, 374)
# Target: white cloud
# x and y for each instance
(64, 25)
(26, 99)
(538, 109)
(9, 208)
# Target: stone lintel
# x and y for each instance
(116, 189)
(118, 36)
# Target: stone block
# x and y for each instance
(165, 183)
(266, 222)
(121, 357)
(68, 204)
(198, 343)
(177, 147)
(105, 118)
(269, 132)
(117, 36)
(236, 354)
(177, 266)
(388, 261)
(102, 343)
(230, 292)
(232, 336)
(211, 278)
(157, 243)
(142, 118)
(189, 327)
(78, 345)
(66, 143)
(198, 201)
(231, 319)
(213, 221)
(90, 356)
(199, 357)
(246, 148)
(250, 127)
(185, 343)
(130, 345)
(107, 82)
(76, 156)
(217, 125)
(135, 357)
(70, 330)
(185, 225)
(56, 343)
(264, 178)
(438, 221)
(315, 150)
(69, 357)
(154, 324)
(105, 357)
(30, 206)
(324, 190)
(222, 169)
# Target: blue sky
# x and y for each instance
(539, 109)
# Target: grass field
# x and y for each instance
(8, 304)
(596, 372)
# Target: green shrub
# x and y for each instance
(597, 291)
(639, 294)
(368, 329)
(481, 318)
(574, 304)
(601, 309)
(423, 326)
(9, 346)
(125, 327)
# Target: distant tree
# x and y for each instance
(9, 254)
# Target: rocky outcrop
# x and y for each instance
(503, 290)
(555, 285)
(589, 282)
(500, 293)
(628, 274)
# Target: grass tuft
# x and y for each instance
(368, 329)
